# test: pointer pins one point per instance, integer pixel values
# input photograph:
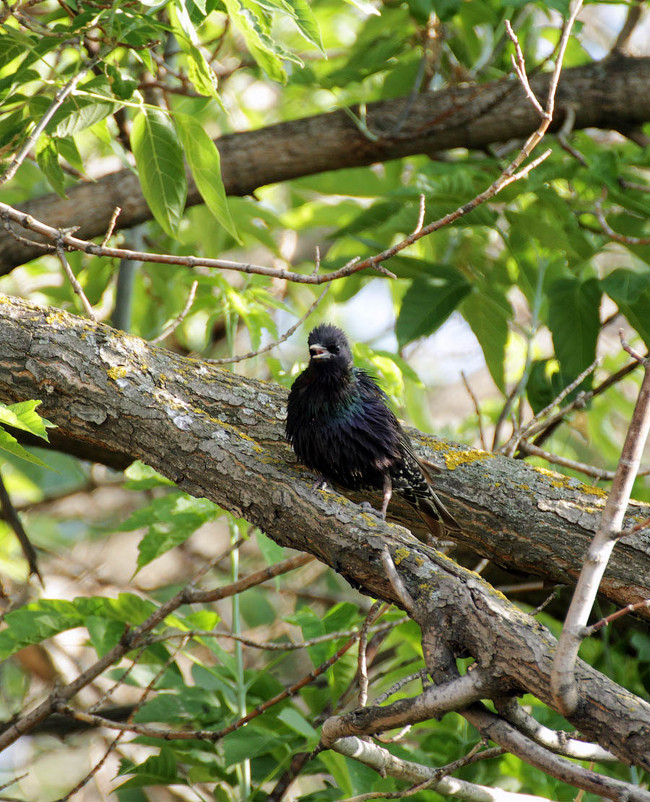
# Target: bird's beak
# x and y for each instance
(317, 351)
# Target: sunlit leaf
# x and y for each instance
(159, 159)
(205, 163)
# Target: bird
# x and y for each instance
(339, 425)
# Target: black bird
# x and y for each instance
(339, 425)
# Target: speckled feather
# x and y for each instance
(339, 425)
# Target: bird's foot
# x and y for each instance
(320, 483)
(366, 506)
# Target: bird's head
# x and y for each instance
(328, 345)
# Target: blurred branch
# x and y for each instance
(462, 116)
(132, 638)
(11, 516)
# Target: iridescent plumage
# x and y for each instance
(339, 425)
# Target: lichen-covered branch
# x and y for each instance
(220, 436)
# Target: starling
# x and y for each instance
(339, 425)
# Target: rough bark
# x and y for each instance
(219, 436)
(115, 399)
(610, 94)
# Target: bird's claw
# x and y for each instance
(320, 483)
(366, 506)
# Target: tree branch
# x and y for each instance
(219, 436)
(463, 116)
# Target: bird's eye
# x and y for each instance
(334, 349)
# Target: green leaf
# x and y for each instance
(158, 769)
(262, 48)
(9, 444)
(488, 313)
(247, 743)
(47, 158)
(36, 622)
(574, 321)
(630, 290)
(292, 718)
(307, 23)
(428, 303)
(205, 163)
(199, 71)
(23, 416)
(170, 520)
(159, 159)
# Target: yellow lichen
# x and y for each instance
(401, 554)
(117, 372)
(569, 483)
(455, 459)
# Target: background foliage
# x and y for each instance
(521, 294)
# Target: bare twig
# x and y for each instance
(133, 638)
(111, 225)
(13, 519)
(375, 611)
(563, 133)
(275, 343)
(622, 238)
(75, 284)
(630, 608)
(632, 530)
(562, 681)
(477, 409)
(582, 467)
(579, 402)
(534, 425)
(421, 213)
(179, 318)
(386, 764)
(519, 66)
(59, 97)
(270, 646)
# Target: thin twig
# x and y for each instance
(630, 608)
(590, 470)
(534, 424)
(565, 130)
(632, 530)
(519, 66)
(375, 611)
(622, 238)
(111, 225)
(421, 213)
(275, 343)
(75, 284)
(13, 520)
(270, 646)
(179, 318)
(59, 97)
(477, 409)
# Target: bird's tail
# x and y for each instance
(436, 516)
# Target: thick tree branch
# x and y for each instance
(219, 436)
(116, 399)
(606, 94)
